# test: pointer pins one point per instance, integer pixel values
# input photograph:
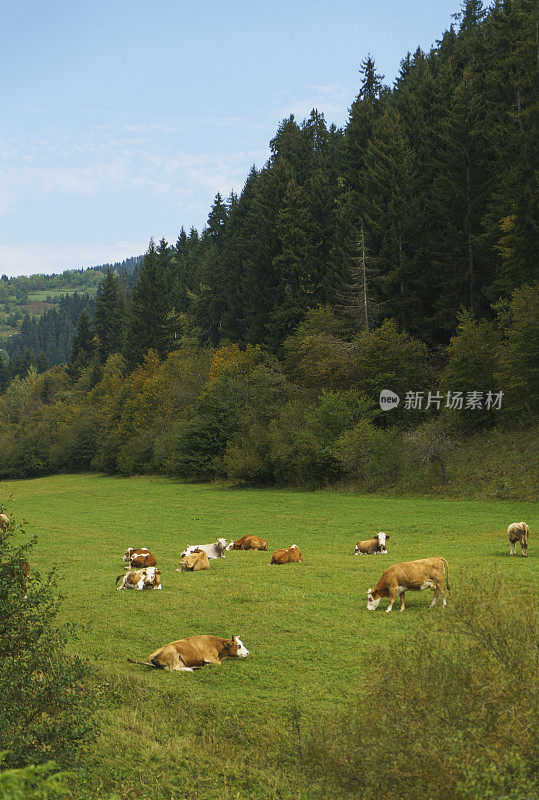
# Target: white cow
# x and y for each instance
(213, 550)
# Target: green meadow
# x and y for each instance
(221, 732)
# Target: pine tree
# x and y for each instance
(390, 211)
(108, 323)
(363, 113)
(355, 299)
(149, 325)
(83, 344)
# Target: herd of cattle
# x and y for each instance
(194, 652)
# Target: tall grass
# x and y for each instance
(447, 714)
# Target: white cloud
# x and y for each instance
(333, 100)
(101, 161)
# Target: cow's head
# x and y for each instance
(127, 554)
(356, 551)
(381, 536)
(294, 546)
(237, 648)
(221, 544)
(373, 600)
(231, 546)
(151, 576)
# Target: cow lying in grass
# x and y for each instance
(290, 555)
(213, 550)
(376, 545)
(248, 542)
(138, 558)
(147, 578)
(194, 652)
(425, 573)
(518, 532)
(194, 562)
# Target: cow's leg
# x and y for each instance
(140, 585)
(392, 596)
(512, 549)
(523, 549)
(212, 660)
(435, 597)
(402, 600)
(122, 585)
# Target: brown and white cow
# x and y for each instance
(425, 573)
(287, 555)
(213, 550)
(138, 558)
(194, 652)
(518, 532)
(147, 578)
(194, 562)
(376, 545)
(4, 521)
(248, 542)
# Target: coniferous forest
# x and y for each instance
(396, 253)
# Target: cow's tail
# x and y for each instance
(142, 663)
(120, 576)
(446, 574)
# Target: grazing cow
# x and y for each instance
(213, 550)
(194, 652)
(147, 578)
(4, 521)
(138, 558)
(290, 555)
(425, 573)
(248, 542)
(369, 546)
(194, 561)
(518, 532)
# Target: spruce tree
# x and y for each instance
(108, 322)
(149, 324)
(83, 344)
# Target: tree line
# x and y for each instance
(396, 253)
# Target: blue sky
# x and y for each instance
(121, 119)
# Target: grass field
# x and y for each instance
(43, 294)
(306, 626)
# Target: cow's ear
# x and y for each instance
(388, 536)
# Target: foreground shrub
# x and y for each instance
(47, 699)
(32, 783)
(450, 713)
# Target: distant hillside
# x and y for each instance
(35, 295)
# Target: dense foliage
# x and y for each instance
(47, 698)
(397, 253)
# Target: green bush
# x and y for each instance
(47, 698)
(40, 782)
(448, 714)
